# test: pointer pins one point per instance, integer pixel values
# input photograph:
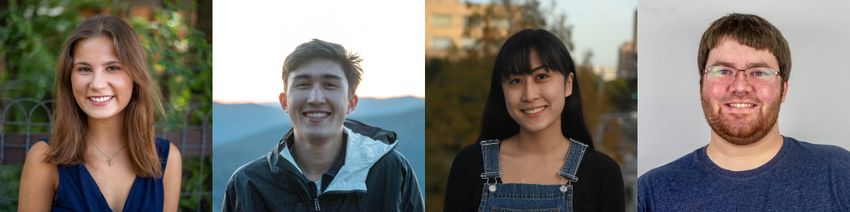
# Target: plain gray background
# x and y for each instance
(670, 119)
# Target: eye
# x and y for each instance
(541, 76)
(514, 81)
(84, 69)
(331, 85)
(113, 68)
(301, 85)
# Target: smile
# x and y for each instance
(100, 99)
(533, 110)
(316, 114)
(740, 105)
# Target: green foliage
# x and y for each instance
(33, 32)
(197, 180)
(10, 176)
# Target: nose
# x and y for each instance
(99, 81)
(740, 84)
(530, 91)
(317, 96)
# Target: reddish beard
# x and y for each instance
(735, 128)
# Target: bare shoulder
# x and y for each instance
(37, 155)
(174, 157)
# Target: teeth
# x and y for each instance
(317, 115)
(535, 110)
(100, 99)
(740, 105)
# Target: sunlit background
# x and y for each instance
(253, 39)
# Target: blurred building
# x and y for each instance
(454, 25)
(627, 59)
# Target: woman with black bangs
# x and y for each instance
(534, 151)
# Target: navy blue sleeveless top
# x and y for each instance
(78, 191)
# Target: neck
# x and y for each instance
(546, 140)
(108, 134)
(315, 156)
(744, 157)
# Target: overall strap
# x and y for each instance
(490, 154)
(573, 161)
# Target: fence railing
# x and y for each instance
(25, 121)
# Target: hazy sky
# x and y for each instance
(252, 39)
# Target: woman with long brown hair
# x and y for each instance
(102, 155)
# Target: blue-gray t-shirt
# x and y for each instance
(801, 177)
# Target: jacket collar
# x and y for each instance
(365, 146)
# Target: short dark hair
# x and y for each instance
(319, 49)
(750, 30)
(513, 59)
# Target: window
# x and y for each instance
(441, 20)
(441, 43)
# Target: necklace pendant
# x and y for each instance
(109, 163)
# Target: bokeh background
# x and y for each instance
(176, 36)
(462, 40)
(671, 118)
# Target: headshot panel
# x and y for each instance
(321, 108)
(738, 97)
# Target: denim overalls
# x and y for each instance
(497, 196)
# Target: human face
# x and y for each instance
(535, 101)
(317, 99)
(742, 111)
(100, 83)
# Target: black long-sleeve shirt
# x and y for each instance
(600, 185)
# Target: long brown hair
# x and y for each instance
(68, 140)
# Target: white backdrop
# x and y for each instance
(670, 119)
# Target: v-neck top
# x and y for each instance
(77, 190)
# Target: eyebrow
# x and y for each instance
(105, 64)
(544, 67)
(749, 65)
(323, 76)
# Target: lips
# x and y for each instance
(533, 111)
(740, 105)
(100, 100)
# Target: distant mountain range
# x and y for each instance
(244, 132)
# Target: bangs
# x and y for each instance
(514, 57)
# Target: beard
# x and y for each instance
(735, 128)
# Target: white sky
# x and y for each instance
(251, 41)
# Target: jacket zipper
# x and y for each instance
(316, 204)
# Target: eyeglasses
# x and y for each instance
(754, 75)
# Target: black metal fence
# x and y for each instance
(26, 121)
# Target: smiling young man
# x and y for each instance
(748, 165)
(325, 162)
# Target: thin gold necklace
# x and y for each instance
(108, 157)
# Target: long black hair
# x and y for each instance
(513, 58)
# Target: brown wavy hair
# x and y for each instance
(68, 142)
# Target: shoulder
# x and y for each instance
(257, 168)
(468, 163)
(827, 153)
(37, 155)
(394, 161)
(601, 162)
(682, 166)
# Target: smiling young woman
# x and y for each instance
(534, 151)
(102, 155)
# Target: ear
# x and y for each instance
(283, 102)
(784, 91)
(352, 103)
(568, 90)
